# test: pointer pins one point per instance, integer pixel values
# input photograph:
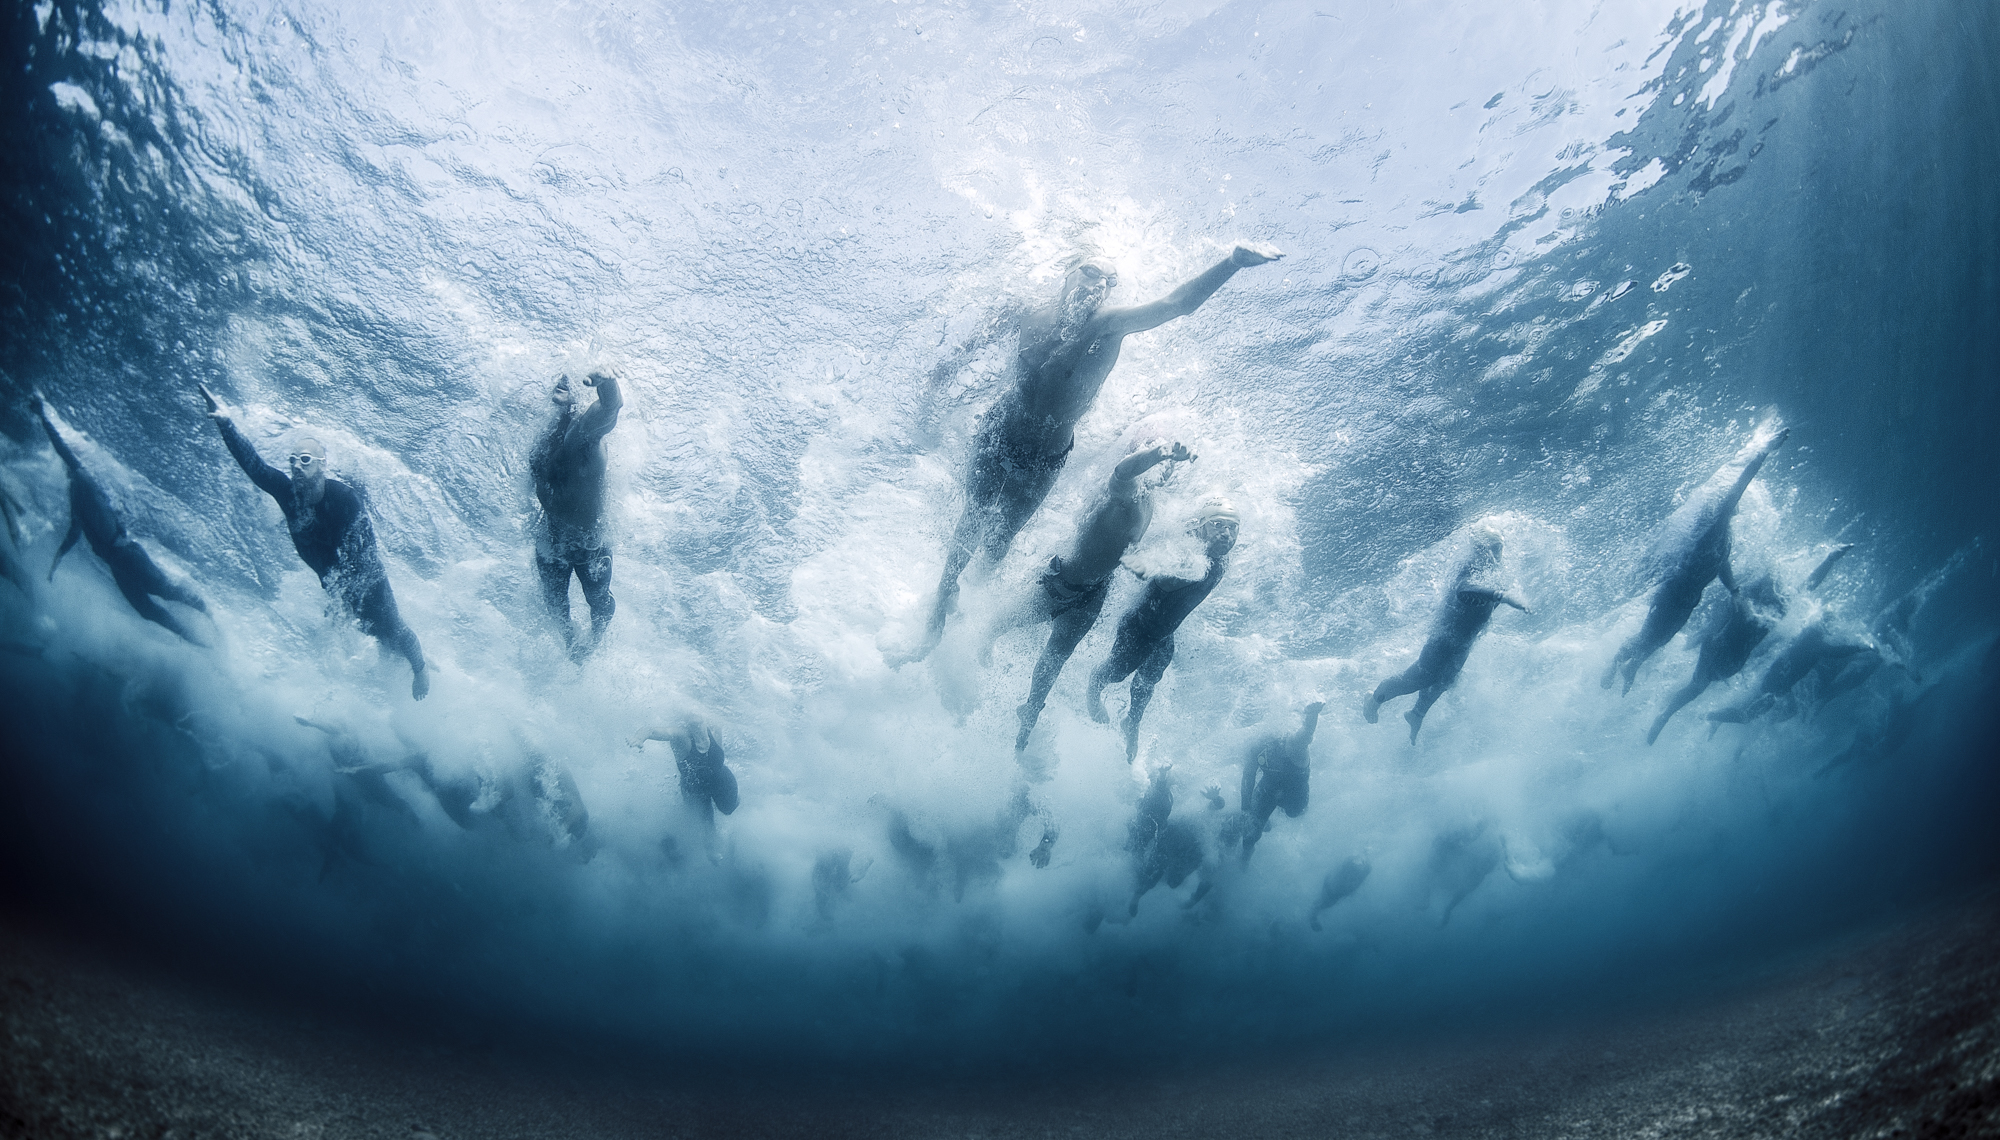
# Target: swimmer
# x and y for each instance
(1820, 647)
(91, 516)
(707, 784)
(329, 526)
(1338, 884)
(1066, 351)
(1726, 644)
(1467, 608)
(568, 467)
(1691, 551)
(1070, 594)
(1163, 849)
(1275, 771)
(1145, 644)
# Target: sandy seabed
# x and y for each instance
(1895, 1032)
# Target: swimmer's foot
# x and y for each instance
(1416, 720)
(1093, 703)
(1610, 673)
(1027, 714)
(420, 684)
(1370, 707)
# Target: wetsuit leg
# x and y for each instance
(148, 576)
(594, 573)
(1410, 680)
(554, 574)
(1425, 700)
(722, 788)
(1671, 606)
(1126, 654)
(376, 611)
(133, 581)
(1065, 630)
(1144, 680)
(1293, 793)
(1696, 686)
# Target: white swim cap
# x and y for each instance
(1216, 508)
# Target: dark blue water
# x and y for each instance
(1545, 271)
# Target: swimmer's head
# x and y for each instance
(1216, 523)
(1485, 544)
(307, 459)
(1088, 283)
(562, 395)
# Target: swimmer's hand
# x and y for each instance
(591, 380)
(1040, 855)
(215, 409)
(1180, 454)
(1244, 256)
(1214, 794)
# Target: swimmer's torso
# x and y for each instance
(568, 465)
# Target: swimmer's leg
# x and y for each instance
(722, 789)
(1126, 654)
(594, 574)
(554, 574)
(1021, 495)
(154, 580)
(1425, 700)
(1144, 679)
(1065, 631)
(1408, 681)
(1671, 606)
(379, 618)
(1696, 685)
(135, 576)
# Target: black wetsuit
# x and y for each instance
(1725, 646)
(707, 786)
(335, 539)
(1458, 624)
(132, 569)
(1072, 612)
(568, 467)
(1274, 779)
(1145, 644)
(1817, 647)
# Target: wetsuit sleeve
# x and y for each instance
(274, 482)
(594, 424)
(69, 458)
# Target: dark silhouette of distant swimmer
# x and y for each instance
(1066, 351)
(707, 784)
(1145, 643)
(1163, 849)
(1467, 609)
(1338, 884)
(91, 516)
(329, 525)
(1070, 594)
(1824, 646)
(1275, 775)
(1692, 550)
(568, 467)
(1734, 632)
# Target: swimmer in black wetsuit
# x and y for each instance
(10, 564)
(330, 530)
(1824, 646)
(1066, 351)
(1275, 775)
(1145, 644)
(707, 784)
(1726, 644)
(1692, 550)
(568, 467)
(1467, 608)
(1071, 592)
(1164, 849)
(91, 516)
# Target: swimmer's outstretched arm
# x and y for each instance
(1125, 476)
(603, 415)
(1504, 597)
(1187, 298)
(269, 479)
(69, 458)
